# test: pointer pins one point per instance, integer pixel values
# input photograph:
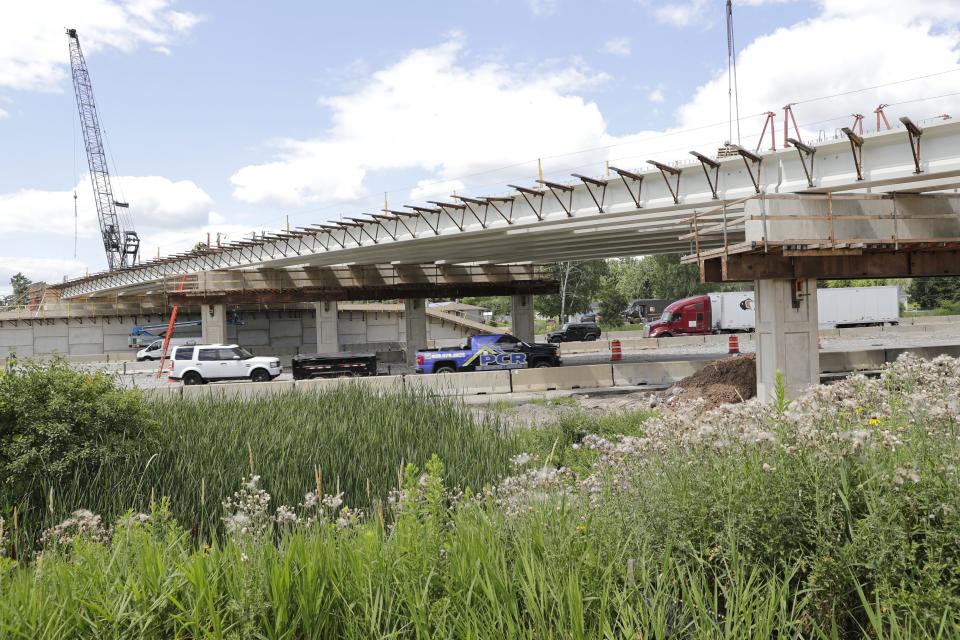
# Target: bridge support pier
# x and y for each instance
(521, 315)
(328, 333)
(213, 323)
(787, 333)
(415, 320)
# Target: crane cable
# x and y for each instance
(76, 180)
(733, 95)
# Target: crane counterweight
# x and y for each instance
(120, 241)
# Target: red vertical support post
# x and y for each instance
(173, 320)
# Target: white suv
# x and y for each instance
(207, 362)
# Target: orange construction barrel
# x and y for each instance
(616, 353)
(733, 345)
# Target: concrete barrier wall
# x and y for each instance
(460, 384)
(843, 361)
(654, 373)
(590, 376)
(594, 346)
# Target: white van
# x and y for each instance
(154, 350)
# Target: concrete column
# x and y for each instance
(328, 334)
(521, 317)
(213, 323)
(787, 333)
(415, 319)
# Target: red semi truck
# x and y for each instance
(734, 312)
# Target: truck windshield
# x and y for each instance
(665, 317)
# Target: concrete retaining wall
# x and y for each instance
(281, 333)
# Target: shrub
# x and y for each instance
(56, 422)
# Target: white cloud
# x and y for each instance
(431, 111)
(683, 14)
(155, 203)
(542, 7)
(617, 46)
(852, 51)
(33, 45)
(36, 269)
(473, 127)
(436, 189)
(697, 12)
(4, 114)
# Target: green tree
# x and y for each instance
(612, 300)
(929, 293)
(661, 276)
(21, 290)
(580, 285)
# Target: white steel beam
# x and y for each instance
(638, 214)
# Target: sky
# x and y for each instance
(235, 117)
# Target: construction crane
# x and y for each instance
(120, 241)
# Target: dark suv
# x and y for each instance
(579, 332)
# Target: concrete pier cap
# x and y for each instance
(786, 335)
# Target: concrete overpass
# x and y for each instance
(854, 206)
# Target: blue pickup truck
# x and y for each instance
(488, 353)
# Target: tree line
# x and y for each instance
(613, 283)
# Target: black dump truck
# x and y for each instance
(334, 365)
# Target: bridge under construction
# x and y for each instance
(857, 206)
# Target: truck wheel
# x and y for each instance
(260, 375)
(591, 338)
(444, 368)
(541, 364)
(192, 377)
(665, 335)
(346, 374)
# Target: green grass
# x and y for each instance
(559, 401)
(947, 310)
(831, 516)
(355, 440)
(500, 406)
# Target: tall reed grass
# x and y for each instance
(347, 439)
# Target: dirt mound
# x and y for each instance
(722, 382)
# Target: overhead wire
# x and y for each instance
(298, 213)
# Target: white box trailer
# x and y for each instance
(733, 311)
(840, 307)
(852, 306)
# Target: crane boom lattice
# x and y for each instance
(120, 241)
